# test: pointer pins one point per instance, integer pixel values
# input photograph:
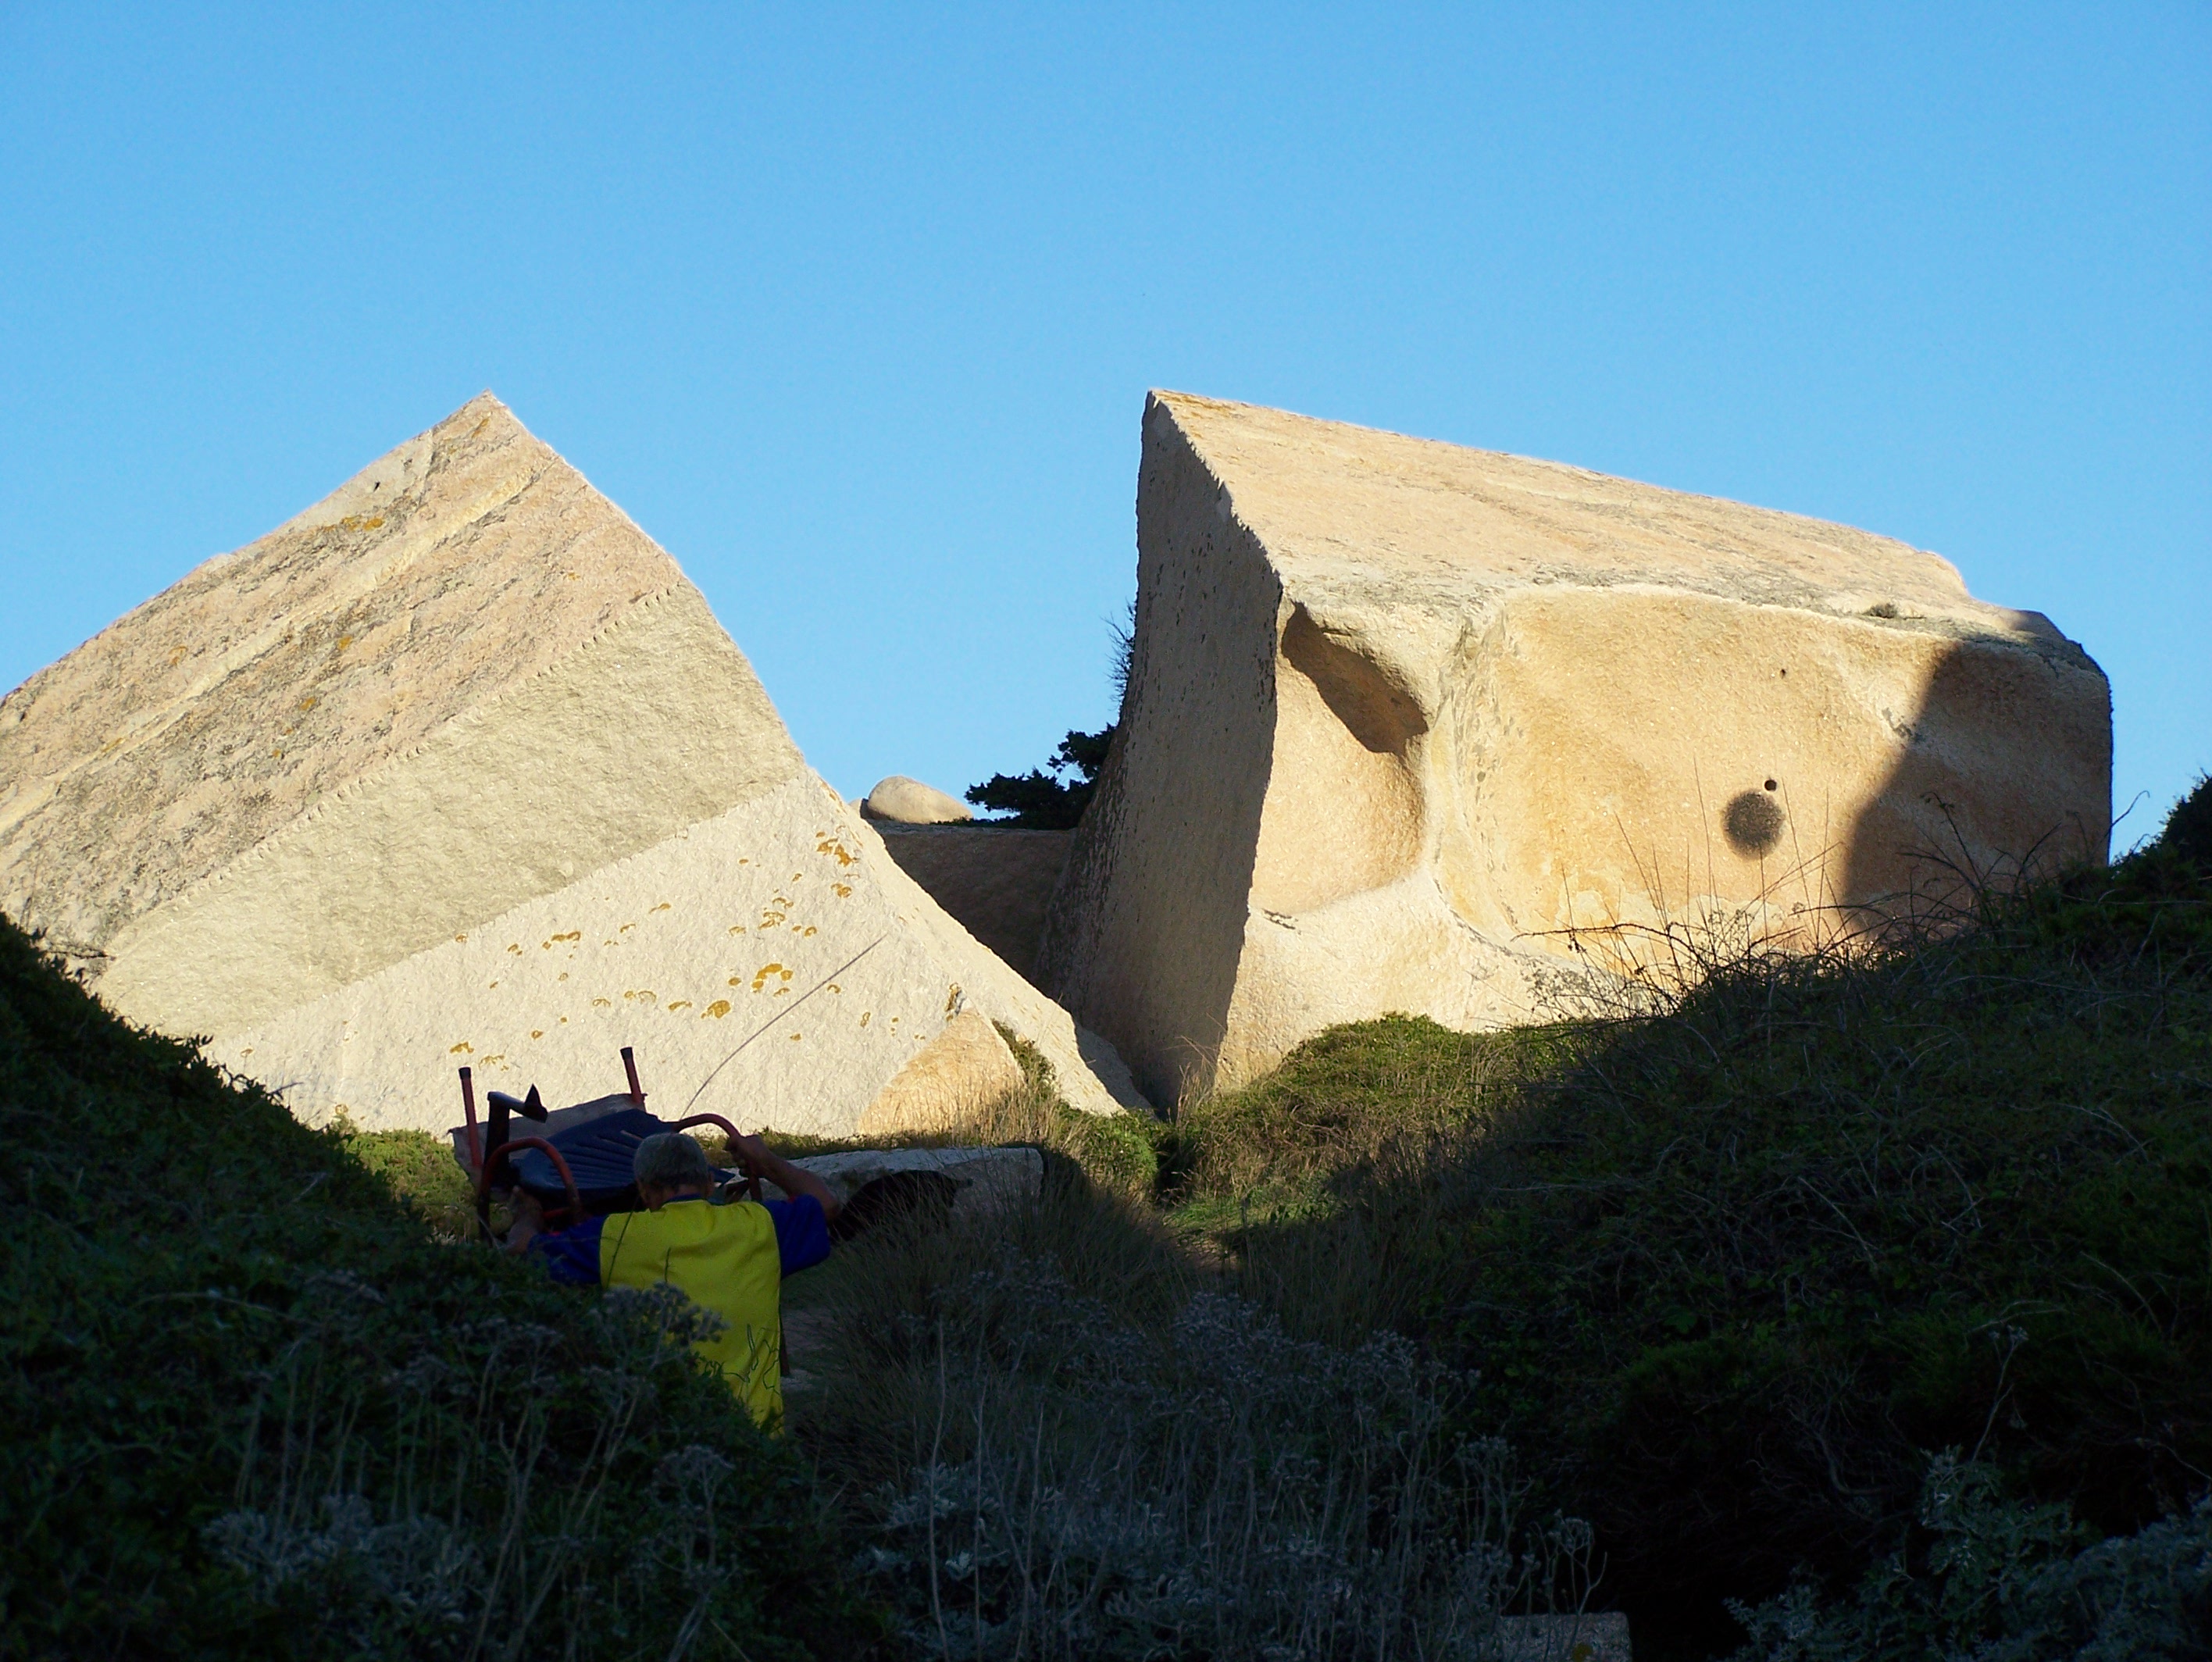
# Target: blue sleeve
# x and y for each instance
(802, 1234)
(570, 1256)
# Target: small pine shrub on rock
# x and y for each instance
(1051, 797)
(2188, 831)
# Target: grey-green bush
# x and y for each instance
(1997, 1579)
(1058, 1455)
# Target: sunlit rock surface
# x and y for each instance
(1409, 723)
(456, 767)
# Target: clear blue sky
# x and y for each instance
(854, 310)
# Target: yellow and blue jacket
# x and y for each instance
(730, 1259)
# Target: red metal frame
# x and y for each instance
(752, 1178)
(469, 1107)
(485, 1165)
(572, 1213)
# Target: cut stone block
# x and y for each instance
(983, 1179)
(996, 880)
(457, 767)
(961, 1069)
(1407, 724)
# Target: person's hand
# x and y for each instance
(753, 1155)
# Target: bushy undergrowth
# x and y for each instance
(1726, 1272)
(1987, 1578)
(421, 1169)
(251, 1407)
(1063, 1441)
(2187, 833)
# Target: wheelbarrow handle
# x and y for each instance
(752, 1178)
(504, 1154)
(469, 1107)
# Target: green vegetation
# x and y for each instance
(1063, 1437)
(1728, 1273)
(2188, 831)
(1862, 1294)
(421, 1168)
(254, 1408)
(1046, 798)
(1993, 1579)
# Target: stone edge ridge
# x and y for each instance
(1973, 618)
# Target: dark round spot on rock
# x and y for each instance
(1754, 822)
(1770, 784)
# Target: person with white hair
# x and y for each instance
(730, 1259)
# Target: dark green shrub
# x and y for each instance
(1726, 1272)
(1045, 798)
(251, 1407)
(2188, 829)
(1988, 1578)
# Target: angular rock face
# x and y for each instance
(1408, 723)
(996, 880)
(457, 766)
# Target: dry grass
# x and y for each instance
(1064, 1437)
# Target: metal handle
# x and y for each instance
(469, 1107)
(752, 1178)
(505, 1154)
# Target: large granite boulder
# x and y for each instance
(903, 801)
(1408, 723)
(456, 767)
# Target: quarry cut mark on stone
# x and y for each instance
(456, 767)
(1411, 727)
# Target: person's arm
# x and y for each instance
(571, 1256)
(759, 1161)
(529, 1221)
